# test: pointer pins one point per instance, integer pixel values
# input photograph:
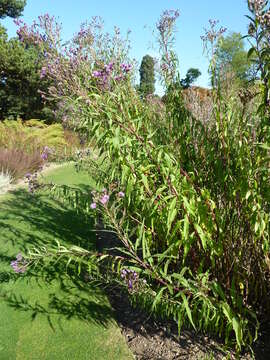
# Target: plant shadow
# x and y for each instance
(59, 293)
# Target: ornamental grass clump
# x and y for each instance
(188, 204)
(17, 162)
(5, 181)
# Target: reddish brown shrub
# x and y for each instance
(18, 162)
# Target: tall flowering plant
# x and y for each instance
(186, 204)
(90, 63)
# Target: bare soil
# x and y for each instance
(151, 339)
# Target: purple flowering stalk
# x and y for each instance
(166, 28)
(130, 277)
(89, 63)
(32, 181)
(46, 152)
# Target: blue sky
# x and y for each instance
(140, 17)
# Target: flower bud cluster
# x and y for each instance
(130, 277)
(104, 76)
(103, 197)
(167, 19)
(46, 152)
(132, 280)
(212, 35)
(20, 264)
(258, 8)
(32, 181)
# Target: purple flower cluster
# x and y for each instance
(261, 14)
(46, 152)
(43, 72)
(167, 20)
(105, 75)
(121, 194)
(39, 33)
(19, 265)
(103, 197)
(212, 34)
(125, 68)
(32, 180)
(130, 277)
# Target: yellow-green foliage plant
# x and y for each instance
(31, 134)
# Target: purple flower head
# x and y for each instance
(47, 149)
(109, 68)
(123, 273)
(104, 199)
(93, 205)
(130, 284)
(28, 175)
(121, 194)
(44, 156)
(118, 77)
(43, 72)
(125, 67)
(19, 265)
(97, 74)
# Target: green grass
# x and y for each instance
(47, 314)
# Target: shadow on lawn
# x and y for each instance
(27, 220)
(33, 220)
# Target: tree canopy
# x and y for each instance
(191, 76)
(11, 8)
(147, 75)
(20, 80)
(231, 57)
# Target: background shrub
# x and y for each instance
(18, 162)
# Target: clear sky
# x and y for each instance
(140, 17)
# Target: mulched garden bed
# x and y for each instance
(151, 339)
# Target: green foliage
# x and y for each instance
(194, 220)
(231, 58)
(258, 36)
(11, 8)
(191, 76)
(20, 81)
(31, 134)
(147, 76)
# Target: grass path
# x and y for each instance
(47, 315)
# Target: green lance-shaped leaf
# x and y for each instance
(187, 308)
(203, 236)
(171, 215)
(145, 182)
(158, 297)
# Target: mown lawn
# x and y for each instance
(47, 314)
